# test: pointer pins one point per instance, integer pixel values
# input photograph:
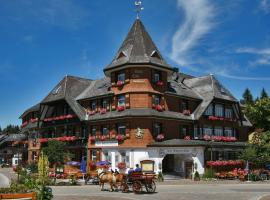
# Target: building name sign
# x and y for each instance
(111, 143)
(176, 151)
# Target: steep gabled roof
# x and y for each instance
(138, 48)
(68, 89)
(209, 88)
(97, 88)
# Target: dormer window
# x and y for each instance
(155, 54)
(121, 55)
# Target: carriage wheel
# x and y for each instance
(150, 187)
(124, 187)
(137, 187)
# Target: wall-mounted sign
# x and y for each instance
(109, 143)
(139, 133)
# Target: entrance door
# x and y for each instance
(168, 164)
(188, 169)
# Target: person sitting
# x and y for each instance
(137, 169)
(130, 171)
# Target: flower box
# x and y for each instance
(102, 138)
(160, 137)
(159, 83)
(186, 112)
(103, 111)
(187, 137)
(120, 83)
(24, 124)
(120, 137)
(92, 138)
(159, 108)
(207, 137)
(120, 108)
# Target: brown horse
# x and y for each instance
(108, 177)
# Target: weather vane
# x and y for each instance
(139, 8)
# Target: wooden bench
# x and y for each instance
(28, 196)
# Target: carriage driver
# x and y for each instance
(137, 169)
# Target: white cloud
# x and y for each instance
(198, 21)
(262, 55)
(265, 6)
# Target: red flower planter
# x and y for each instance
(120, 108)
(160, 137)
(120, 83)
(159, 83)
(159, 108)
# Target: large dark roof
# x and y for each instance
(209, 88)
(97, 88)
(139, 112)
(34, 108)
(69, 89)
(138, 48)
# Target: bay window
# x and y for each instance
(105, 103)
(218, 131)
(209, 110)
(207, 130)
(219, 110)
(229, 113)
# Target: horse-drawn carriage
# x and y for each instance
(138, 180)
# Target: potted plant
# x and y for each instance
(159, 108)
(120, 137)
(120, 83)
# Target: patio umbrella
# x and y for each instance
(102, 163)
(73, 163)
(83, 166)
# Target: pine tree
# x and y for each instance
(263, 94)
(247, 97)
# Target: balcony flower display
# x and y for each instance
(33, 120)
(186, 112)
(102, 138)
(120, 83)
(24, 124)
(159, 83)
(103, 111)
(219, 163)
(220, 138)
(41, 140)
(160, 137)
(92, 138)
(120, 108)
(159, 108)
(207, 137)
(187, 137)
(112, 134)
(120, 137)
(121, 165)
(62, 117)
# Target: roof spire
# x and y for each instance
(139, 8)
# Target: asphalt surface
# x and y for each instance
(170, 192)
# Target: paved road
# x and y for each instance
(4, 181)
(170, 192)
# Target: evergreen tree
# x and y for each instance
(247, 97)
(10, 129)
(263, 94)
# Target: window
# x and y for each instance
(183, 105)
(105, 130)
(121, 77)
(218, 131)
(107, 157)
(157, 129)
(228, 113)
(219, 110)
(228, 132)
(156, 77)
(184, 131)
(207, 130)
(94, 105)
(156, 100)
(209, 110)
(122, 129)
(197, 134)
(94, 155)
(93, 131)
(121, 100)
(105, 103)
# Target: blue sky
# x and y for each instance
(42, 41)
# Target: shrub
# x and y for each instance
(209, 173)
(196, 176)
(160, 176)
